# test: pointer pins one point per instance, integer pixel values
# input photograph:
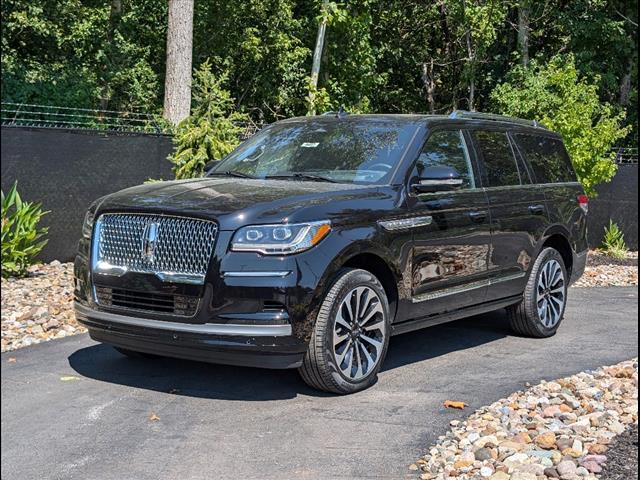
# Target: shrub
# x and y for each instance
(213, 129)
(22, 240)
(556, 96)
(613, 242)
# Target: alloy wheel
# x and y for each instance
(551, 294)
(359, 333)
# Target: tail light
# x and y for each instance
(583, 201)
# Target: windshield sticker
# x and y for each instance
(310, 144)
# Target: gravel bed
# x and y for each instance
(605, 271)
(39, 307)
(623, 457)
(558, 429)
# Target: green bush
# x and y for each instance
(613, 243)
(213, 129)
(555, 95)
(22, 240)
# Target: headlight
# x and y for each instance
(87, 225)
(281, 239)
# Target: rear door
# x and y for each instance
(517, 208)
(451, 236)
(553, 173)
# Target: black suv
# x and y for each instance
(319, 238)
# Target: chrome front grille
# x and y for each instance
(176, 249)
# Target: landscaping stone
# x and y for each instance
(39, 307)
(604, 271)
(523, 437)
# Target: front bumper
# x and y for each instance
(266, 346)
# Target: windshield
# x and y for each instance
(343, 151)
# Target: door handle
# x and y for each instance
(478, 216)
(536, 209)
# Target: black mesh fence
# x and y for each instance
(66, 169)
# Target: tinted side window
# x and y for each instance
(499, 162)
(447, 147)
(548, 158)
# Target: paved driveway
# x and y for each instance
(227, 422)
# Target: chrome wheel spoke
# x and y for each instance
(341, 321)
(370, 360)
(370, 313)
(341, 356)
(376, 343)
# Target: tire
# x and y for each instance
(133, 354)
(326, 365)
(532, 317)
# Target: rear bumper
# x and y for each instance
(579, 264)
(265, 346)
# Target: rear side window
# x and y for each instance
(499, 162)
(548, 158)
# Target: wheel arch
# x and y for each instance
(374, 260)
(557, 237)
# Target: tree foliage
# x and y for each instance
(392, 56)
(22, 239)
(213, 128)
(558, 97)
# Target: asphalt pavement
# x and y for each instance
(77, 409)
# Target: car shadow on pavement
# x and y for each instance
(202, 380)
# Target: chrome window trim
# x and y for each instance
(500, 188)
(205, 328)
(465, 288)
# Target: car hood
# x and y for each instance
(234, 202)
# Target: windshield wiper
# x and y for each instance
(300, 176)
(230, 173)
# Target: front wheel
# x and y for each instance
(351, 335)
(541, 310)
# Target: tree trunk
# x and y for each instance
(625, 85)
(472, 71)
(317, 58)
(114, 18)
(429, 84)
(523, 31)
(177, 85)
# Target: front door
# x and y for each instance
(452, 237)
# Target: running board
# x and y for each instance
(411, 325)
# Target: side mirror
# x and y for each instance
(209, 165)
(439, 178)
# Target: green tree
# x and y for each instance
(212, 130)
(556, 95)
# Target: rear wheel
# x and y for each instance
(351, 335)
(541, 310)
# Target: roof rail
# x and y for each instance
(339, 114)
(494, 117)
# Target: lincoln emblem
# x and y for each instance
(149, 238)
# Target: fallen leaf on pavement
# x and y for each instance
(68, 378)
(153, 417)
(454, 404)
(12, 360)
